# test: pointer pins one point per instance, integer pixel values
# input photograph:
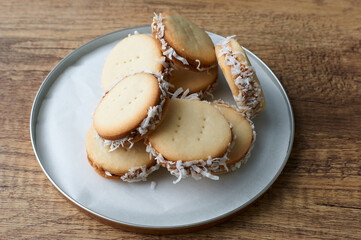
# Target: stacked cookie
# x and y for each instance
(190, 51)
(186, 135)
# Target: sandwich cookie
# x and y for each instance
(201, 82)
(245, 136)
(122, 164)
(131, 109)
(240, 76)
(183, 42)
(193, 140)
(135, 53)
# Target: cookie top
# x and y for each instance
(183, 42)
(191, 130)
(126, 105)
(119, 163)
(241, 77)
(243, 129)
(195, 81)
(135, 53)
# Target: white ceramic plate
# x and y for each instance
(62, 113)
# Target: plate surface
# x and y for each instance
(62, 113)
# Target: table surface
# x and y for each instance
(314, 47)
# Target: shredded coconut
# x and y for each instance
(249, 99)
(195, 168)
(137, 174)
(208, 91)
(114, 144)
(149, 123)
(153, 185)
(185, 95)
(200, 94)
(201, 69)
(163, 61)
(168, 51)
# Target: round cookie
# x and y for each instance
(127, 165)
(183, 42)
(135, 53)
(196, 81)
(194, 139)
(133, 107)
(245, 136)
(241, 77)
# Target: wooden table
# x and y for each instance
(314, 47)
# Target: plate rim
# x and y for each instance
(48, 82)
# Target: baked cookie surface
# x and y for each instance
(183, 42)
(130, 164)
(195, 81)
(135, 53)
(244, 132)
(125, 106)
(192, 130)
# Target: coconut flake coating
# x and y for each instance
(196, 168)
(158, 29)
(135, 174)
(250, 98)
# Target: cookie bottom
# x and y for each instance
(133, 175)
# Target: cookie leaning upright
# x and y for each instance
(127, 165)
(135, 53)
(241, 77)
(193, 140)
(130, 109)
(183, 42)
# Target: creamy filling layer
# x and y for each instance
(249, 99)
(136, 174)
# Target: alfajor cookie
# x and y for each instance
(193, 140)
(240, 76)
(131, 109)
(244, 139)
(135, 53)
(201, 82)
(183, 42)
(127, 165)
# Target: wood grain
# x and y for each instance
(314, 47)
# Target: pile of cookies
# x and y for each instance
(152, 114)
